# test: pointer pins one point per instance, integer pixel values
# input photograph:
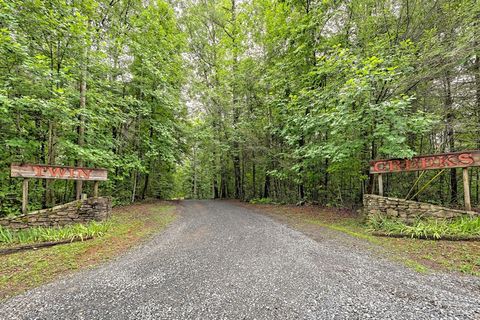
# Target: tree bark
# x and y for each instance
(476, 46)
(254, 176)
(195, 190)
(450, 116)
(135, 178)
(147, 175)
(145, 186)
(81, 126)
(266, 186)
(236, 108)
(51, 161)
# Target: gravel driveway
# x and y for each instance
(221, 261)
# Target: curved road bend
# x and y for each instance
(221, 261)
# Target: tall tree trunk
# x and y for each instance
(81, 126)
(266, 186)
(325, 182)
(51, 161)
(215, 187)
(237, 172)
(223, 181)
(145, 186)
(147, 175)
(236, 108)
(450, 117)
(43, 182)
(371, 178)
(270, 165)
(215, 190)
(49, 191)
(476, 46)
(134, 190)
(195, 190)
(301, 187)
(254, 176)
(311, 63)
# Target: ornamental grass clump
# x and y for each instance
(42, 234)
(463, 227)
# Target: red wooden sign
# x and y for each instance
(438, 161)
(40, 171)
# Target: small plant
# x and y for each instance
(41, 234)
(428, 229)
(6, 235)
(263, 201)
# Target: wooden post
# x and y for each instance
(25, 196)
(380, 185)
(78, 189)
(466, 190)
(95, 189)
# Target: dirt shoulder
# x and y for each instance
(130, 225)
(329, 224)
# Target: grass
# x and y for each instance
(420, 255)
(41, 234)
(428, 229)
(128, 226)
(412, 264)
(348, 227)
(263, 201)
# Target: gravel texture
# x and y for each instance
(221, 261)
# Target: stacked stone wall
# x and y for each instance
(81, 211)
(408, 211)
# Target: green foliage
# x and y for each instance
(41, 234)
(428, 229)
(129, 54)
(263, 201)
(287, 100)
(291, 100)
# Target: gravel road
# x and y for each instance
(222, 261)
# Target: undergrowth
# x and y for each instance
(429, 229)
(263, 201)
(42, 234)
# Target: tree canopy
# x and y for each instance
(280, 99)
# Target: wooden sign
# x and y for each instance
(40, 171)
(463, 160)
(430, 162)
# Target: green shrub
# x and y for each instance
(41, 234)
(431, 228)
(263, 201)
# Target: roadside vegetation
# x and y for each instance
(421, 255)
(264, 201)
(128, 226)
(287, 100)
(41, 234)
(97, 82)
(294, 98)
(454, 229)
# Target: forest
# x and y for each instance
(269, 100)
